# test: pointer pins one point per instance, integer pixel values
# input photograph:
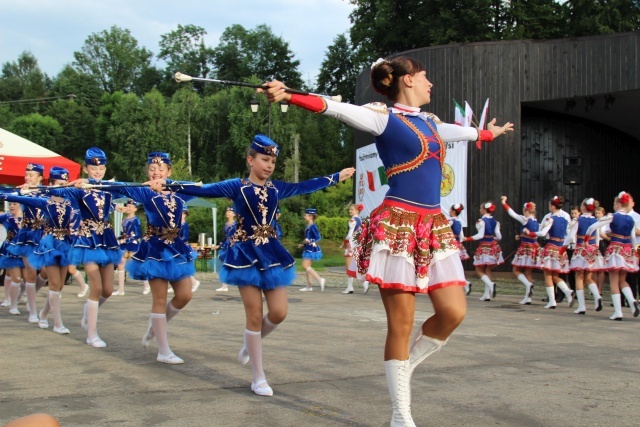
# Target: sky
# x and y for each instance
(53, 29)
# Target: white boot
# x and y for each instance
(597, 299)
(616, 299)
(422, 348)
(398, 381)
(552, 297)
(567, 292)
(582, 309)
(365, 287)
(349, 289)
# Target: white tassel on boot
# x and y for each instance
(398, 381)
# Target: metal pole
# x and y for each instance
(269, 107)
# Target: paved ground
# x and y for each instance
(505, 365)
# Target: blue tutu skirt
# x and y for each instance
(51, 251)
(267, 266)
(100, 256)
(9, 261)
(157, 260)
(21, 250)
(312, 255)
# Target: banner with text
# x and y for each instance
(371, 179)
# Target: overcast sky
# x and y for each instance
(53, 29)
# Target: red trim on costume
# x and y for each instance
(309, 102)
(412, 208)
(378, 281)
(483, 136)
(506, 207)
(351, 273)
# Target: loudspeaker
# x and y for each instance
(572, 170)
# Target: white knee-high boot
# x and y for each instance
(593, 288)
(421, 348)
(633, 304)
(398, 381)
(582, 309)
(349, 289)
(616, 299)
(567, 292)
(552, 297)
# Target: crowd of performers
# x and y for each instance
(53, 228)
(599, 243)
(405, 246)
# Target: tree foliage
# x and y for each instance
(113, 58)
(43, 130)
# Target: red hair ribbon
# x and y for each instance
(360, 207)
(624, 197)
(528, 206)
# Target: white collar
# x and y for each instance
(405, 110)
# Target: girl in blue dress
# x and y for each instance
(456, 229)
(311, 250)
(256, 261)
(129, 240)
(12, 264)
(184, 235)
(229, 230)
(94, 245)
(29, 238)
(55, 243)
(163, 258)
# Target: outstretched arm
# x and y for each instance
(289, 189)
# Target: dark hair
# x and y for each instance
(386, 74)
(457, 211)
(575, 208)
(557, 201)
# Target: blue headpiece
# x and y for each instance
(57, 172)
(159, 158)
(185, 208)
(311, 211)
(35, 167)
(132, 202)
(277, 210)
(230, 208)
(264, 145)
(95, 157)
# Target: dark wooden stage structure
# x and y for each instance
(574, 103)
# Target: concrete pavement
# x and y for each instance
(505, 365)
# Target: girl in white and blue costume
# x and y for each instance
(94, 245)
(311, 250)
(406, 246)
(28, 239)
(12, 264)
(256, 261)
(586, 257)
(526, 257)
(456, 229)
(163, 257)
(620, 257)
(553, 259)
(55, 244)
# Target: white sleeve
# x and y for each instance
(352, 226)
(546, 226)
(480, 227)
(450, 132)
(520, 218)
(571, 234)
(497, 231)
(605, 220)
(371, 118)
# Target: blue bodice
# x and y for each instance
(456, 228)
(558, 230)
(531, 225)
(311, 238)
(490, 225)
(584, 222)
(229, 231)
(412, 152)
(131, 234)
(621, 228)
(11, 224)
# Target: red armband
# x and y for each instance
(483, 136)
(506, 207)
(309, 102)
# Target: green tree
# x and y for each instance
(77, 124)
(185, 50)
(23, 80)
(113, 58)
(244, 53)
(338, 71)
(42, 130)
(590, 17)
(82, 88)
(535, 19)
